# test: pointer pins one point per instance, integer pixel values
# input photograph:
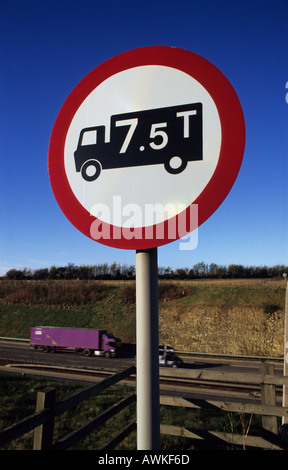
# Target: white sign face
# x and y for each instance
(132, 91)
(143, 140)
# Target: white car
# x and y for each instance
(169, 359)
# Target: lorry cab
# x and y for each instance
(110, 345)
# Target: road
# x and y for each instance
(19, 352)
(23, 353)
(62, 366)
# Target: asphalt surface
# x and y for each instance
(23, 353)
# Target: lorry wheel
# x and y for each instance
(107, 354)
(175, 165)
(87, 352)
(46, 349)
(91, 170)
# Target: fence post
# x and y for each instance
(268, 397)
(43, 435)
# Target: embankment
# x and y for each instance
(227, 317)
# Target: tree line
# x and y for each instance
(117, 271)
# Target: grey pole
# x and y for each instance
(285, 370)
(147, 350)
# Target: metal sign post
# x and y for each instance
(285, 371)
(147, 353)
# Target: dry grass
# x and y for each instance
(224, 316)
(222, 329)
(52, 292)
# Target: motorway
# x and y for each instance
(19, 357)
(16, 352)
(13, 353)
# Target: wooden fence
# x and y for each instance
(42, 421)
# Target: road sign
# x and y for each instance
(141, 140)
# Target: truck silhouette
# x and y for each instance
(171, 136)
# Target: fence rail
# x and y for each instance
(42, 421)
(41, 418)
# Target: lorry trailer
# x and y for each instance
(85, 341)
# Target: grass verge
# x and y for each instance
(18, 399)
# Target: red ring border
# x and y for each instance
(231, 152)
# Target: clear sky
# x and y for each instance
(47, 47)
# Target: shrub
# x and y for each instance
(166, 292)
(54, 293)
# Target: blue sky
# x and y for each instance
(47, 47)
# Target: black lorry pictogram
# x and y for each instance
(171, 136)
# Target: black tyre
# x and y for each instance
(87, 352)
(91, 170)
(175, 165)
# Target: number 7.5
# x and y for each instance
(155, 132)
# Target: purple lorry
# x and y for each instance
(85, 341)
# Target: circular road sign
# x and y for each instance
(141, 141)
